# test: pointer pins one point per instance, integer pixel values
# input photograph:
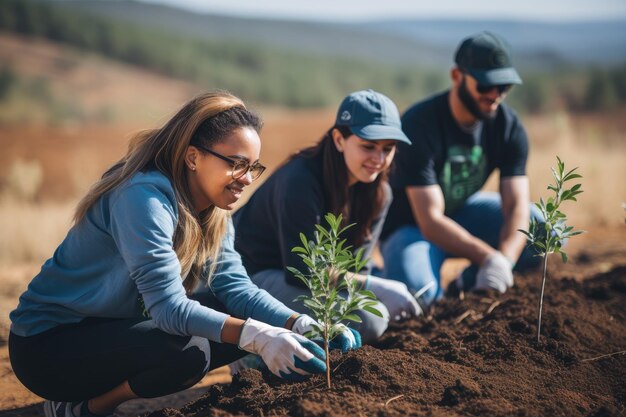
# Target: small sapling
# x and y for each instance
(330, 264)
(548, 237)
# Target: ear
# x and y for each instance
(191, 156)
(337, 140)
(456, 75)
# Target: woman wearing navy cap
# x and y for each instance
(345, 173)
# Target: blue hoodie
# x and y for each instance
(120, 257)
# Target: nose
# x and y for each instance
(380, 156)
(246, 179)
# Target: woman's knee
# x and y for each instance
(196, 357)
(184, 365)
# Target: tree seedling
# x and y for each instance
(548, 237)
(330, 264)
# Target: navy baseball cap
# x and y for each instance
(371, 116)
(487, 58)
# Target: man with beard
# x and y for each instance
(458, 138)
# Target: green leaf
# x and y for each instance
(367, 302)
(564, 257)
(571, 175)
(322, 232)
(312, 303)
(373, 311)
(555, 175)
(368, 294)
(304, 240)
(346, 228)
(352, 317)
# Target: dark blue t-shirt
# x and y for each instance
(459, 160)
(290, 202)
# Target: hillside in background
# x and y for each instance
(52, 84)
(321, 66)
(423, 43)
(584, 42)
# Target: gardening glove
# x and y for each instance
(346, 340)
(286, 354)
(496, 273)
(395, 296)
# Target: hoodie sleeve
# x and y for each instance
(243, 299)
(143, 221)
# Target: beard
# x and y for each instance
(471, 104)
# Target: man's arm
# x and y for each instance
(427, 205)
(516, 215)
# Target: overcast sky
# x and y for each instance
(359, 10)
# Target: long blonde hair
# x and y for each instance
(206, 119)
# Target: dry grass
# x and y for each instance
(31, 231)
(597, 146)
(71, 159)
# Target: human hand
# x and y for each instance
(495, 273)
(395, 296)
(347, 340)
(286, 354)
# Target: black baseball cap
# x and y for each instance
(487, 58)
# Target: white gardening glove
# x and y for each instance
(496, 273)
(395, 296)
(347, 340)
(286, 354)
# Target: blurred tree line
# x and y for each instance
(268, 75)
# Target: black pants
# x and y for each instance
(81, 361)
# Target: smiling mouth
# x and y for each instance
(371, 169)
(236, 191)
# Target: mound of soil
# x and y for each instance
(473, 356)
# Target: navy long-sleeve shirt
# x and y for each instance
(290, 202)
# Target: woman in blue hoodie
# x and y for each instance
(109, 318)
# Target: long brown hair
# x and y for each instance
(207, 119)
(360, 203)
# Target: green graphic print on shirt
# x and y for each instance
(463, 173)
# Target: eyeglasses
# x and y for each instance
(239, 166)
(502, 88)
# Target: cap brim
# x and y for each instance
(380, 132)
(496, 76)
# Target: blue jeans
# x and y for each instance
(412, 259)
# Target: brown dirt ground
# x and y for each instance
(476, 356)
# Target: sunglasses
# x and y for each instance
(240, 167)
(502, 88)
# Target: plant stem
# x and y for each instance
(543, 285)
(327, 364)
